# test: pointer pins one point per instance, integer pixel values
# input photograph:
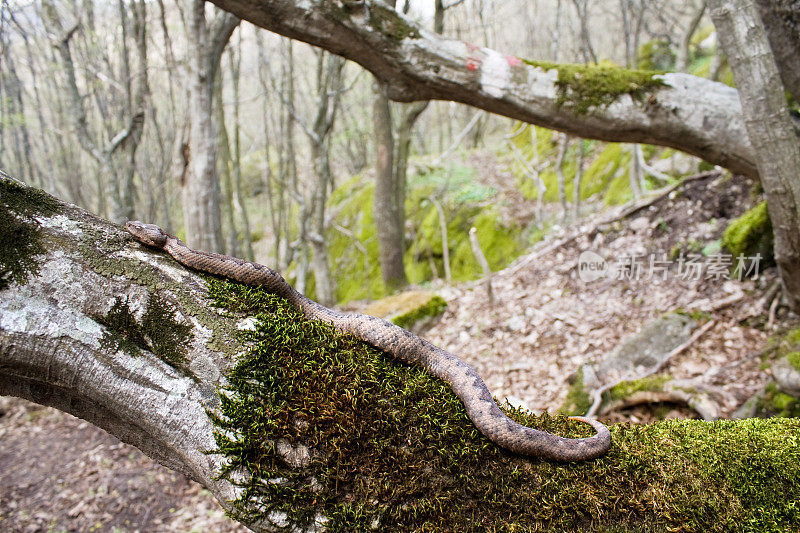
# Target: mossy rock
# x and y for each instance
(776, 403)
(354, 243)
(751, 234)
(389, 447)
(412, 310)
(628, 388)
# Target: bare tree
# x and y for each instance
(747, 46)
(201, 191)
(118, 178)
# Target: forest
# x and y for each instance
(578, 222)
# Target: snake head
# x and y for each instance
(147, 233)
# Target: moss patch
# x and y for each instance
(407, 308)
(774, 403)
(794, 359)
(392, 449)
(465, 204)
(647, 384)
(751, 234)
(157, 332)
(578, 400)
(20, 236)
(390, 23)
(582, 87)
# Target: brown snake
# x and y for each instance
(402, 344)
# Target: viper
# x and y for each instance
(398, 342)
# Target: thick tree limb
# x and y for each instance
(99, 326)
(62, 345)
(692, 114)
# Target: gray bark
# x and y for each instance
(745, 41)
(53, 352)
(781, 19)
(692, 114)
(201, 191)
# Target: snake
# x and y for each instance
(404, 345)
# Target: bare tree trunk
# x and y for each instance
(782, 21)
(635, 176)
(385, 210)
(563, 144)
(745, 41)
(587, 51)
(120, 196)
(201, 192)
(329, 88)
(578, 180)
(240, 207)
(230, 231)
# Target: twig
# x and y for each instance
(773, 308)
(487, 272)
(457, 140)
(597, 395)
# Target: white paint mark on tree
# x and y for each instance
(495, 73)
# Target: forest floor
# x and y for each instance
(63, 474)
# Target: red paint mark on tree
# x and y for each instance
(514, 61)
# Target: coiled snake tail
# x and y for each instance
(404, 345)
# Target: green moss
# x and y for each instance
(392, 450)
(647, 384)
(578, 400)
(751, 234)
(582, 87)
(387, 21)
(776, 403)
(435, 307)
(354, 243)
(657, 54)
(20, 236)
(157, 332)
(794, 359)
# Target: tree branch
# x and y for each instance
(692, 114)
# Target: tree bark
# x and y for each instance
(88, 325)
(745, 41)
(385, 211)
(55, 349)
(201, 191)
(692, 114)
(781, 19)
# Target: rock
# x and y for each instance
(646, 349)
(750, 407)
(413, 310)
(639, 224)
(787, 377)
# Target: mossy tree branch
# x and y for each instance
(692, 114)
(314, 428)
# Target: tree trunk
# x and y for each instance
(744, 39)
(385, 210)
(201, 191)
(781, 19)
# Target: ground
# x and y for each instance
(62, 474)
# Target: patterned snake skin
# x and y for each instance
(406, 346)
